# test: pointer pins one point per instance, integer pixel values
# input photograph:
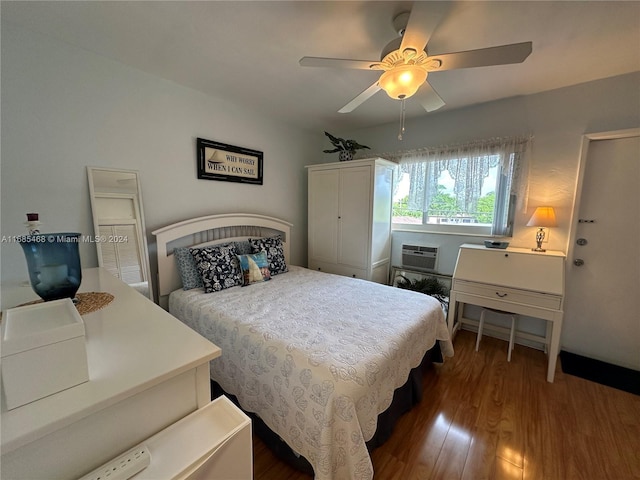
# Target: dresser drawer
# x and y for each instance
(338, 269)
(512, 295)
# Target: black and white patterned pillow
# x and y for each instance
(275, 252)
(218, 266)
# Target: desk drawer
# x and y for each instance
(514, 268)
(513, 295)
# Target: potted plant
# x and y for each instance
(346, 148)
(427, 285)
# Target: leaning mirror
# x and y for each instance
(118, 223)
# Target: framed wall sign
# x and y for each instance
(219, 161)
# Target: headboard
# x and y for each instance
(210, 230)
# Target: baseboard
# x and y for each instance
(601, 372)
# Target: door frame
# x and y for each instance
(582, 163)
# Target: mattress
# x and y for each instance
(316, 356)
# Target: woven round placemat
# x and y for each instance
(87, 301)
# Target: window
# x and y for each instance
(468, 189)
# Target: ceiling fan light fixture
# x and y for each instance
(409, 53)
(402, 81)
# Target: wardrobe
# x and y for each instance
(350, 218)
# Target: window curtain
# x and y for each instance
(468, 165)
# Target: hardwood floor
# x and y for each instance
(484, 418)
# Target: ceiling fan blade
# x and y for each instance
(428, 97)
(360, 99)
(423, 20)
(483, 57)
(337, 63)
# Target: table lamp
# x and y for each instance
(542, 218)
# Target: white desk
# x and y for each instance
(147, 370)
(516, 280)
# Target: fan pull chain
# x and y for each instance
(401, 120)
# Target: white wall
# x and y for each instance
(557, 119)
(64, 108)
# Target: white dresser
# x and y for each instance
(147, 371)
(515, 280)
(350, 218)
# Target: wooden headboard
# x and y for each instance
(209, 230)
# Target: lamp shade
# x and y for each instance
(402, 81)
(543, 217)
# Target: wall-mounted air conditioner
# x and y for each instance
(419, 257)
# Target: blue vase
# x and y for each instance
(53, 260)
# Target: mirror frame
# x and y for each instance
(137, 199)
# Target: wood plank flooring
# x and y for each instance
(484, 418)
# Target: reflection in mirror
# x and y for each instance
(118, 223)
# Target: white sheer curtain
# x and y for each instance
(468, 165)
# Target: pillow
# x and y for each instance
(243, 247)
(218, 267)
(187, 269)
(275, 252)
(254, 268)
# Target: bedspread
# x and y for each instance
(316, 356)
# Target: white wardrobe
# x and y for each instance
(350, 218)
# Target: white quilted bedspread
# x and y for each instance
(316, 356)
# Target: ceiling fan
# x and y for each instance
(405, 62)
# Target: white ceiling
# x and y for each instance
(248, 51)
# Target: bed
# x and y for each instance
(316, 357)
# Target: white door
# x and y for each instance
(355, 216)
(323, 215)
(602, 304)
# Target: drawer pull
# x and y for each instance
(501, 295)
